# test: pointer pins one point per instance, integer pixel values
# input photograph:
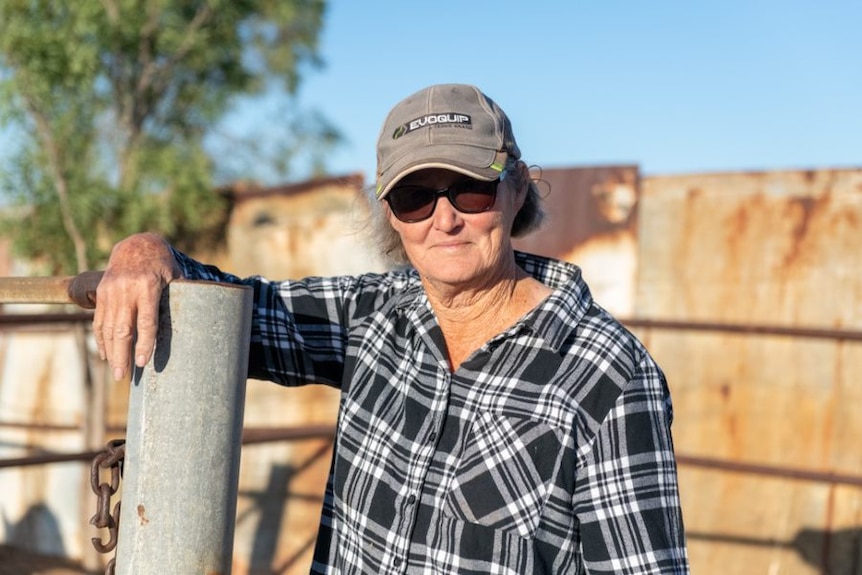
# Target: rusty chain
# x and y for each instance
(109, 459)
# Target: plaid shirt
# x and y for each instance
(547, 451)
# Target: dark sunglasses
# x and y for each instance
(414, 203)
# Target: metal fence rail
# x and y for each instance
(250, 436)
(258, 435)
(746, 329)
(18, 321)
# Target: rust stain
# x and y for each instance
(43, 395)
(806, 206)
(689, 217)
(142, 514)
(739, 222)
(803, 210)
(41, 403)
(737, 227)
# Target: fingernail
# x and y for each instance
(118, 373)
(141, 361)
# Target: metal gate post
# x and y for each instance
(184, 433)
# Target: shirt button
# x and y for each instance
(411, 500)
(396, 561)
(432, 438)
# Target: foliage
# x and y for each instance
(113, 101)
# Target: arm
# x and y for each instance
(626, 494)
(299, 328)
(299, 331)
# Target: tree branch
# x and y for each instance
(61, 185)
(155, 76)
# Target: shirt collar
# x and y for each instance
(555, 320)
(558, 317)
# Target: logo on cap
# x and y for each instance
(445, 119)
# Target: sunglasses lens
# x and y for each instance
(415, 203)
(473, 196)
(411, 203)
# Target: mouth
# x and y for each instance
(450, 245)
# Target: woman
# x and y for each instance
(493, 418)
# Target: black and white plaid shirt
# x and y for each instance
(547, 451)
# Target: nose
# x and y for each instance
(446, 217)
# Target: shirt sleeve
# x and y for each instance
(298, 328)
(626, 496)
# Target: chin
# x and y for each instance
(454, 272)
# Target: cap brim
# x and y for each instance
(478, 163)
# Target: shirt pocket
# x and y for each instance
(505, 473)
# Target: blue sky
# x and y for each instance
(672, 86)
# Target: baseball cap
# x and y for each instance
(450, 126)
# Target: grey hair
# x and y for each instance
(531, 216)
(528, 219)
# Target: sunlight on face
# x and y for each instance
(452, 249)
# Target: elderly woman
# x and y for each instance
(493, 418)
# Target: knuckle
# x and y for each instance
(122, 332)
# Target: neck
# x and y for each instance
(470, 317)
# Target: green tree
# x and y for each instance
(111, 103)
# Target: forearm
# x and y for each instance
(297, 336)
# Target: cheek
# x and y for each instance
(396, 224)
(509, 209)
(410, 234)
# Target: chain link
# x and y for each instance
(110, 459)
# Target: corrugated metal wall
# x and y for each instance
(42, 384)
(777, 248)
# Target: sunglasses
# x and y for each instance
(414, 203)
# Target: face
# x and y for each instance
(456, 249)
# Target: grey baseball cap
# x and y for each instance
(450, 126)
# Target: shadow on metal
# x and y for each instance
(834, 552)
(270, 503)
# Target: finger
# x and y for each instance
(98, 323)
(107, 317)
(117, 331)
(147, 329)
(118, 340)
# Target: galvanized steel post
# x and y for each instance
(184, 434)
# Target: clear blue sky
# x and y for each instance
(672, 86)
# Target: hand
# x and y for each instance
(127, 299)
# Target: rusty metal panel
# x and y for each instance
(282, 484)
(301, 232)
(42, 382)
(774, 248)
(592, 222)
(777, 248)
(782, 401)
(768, 247)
